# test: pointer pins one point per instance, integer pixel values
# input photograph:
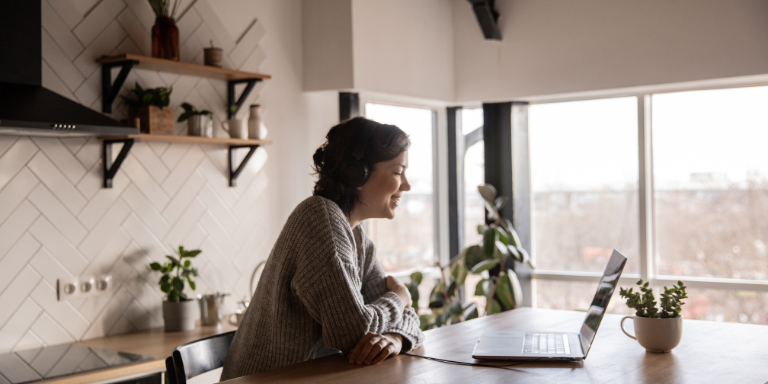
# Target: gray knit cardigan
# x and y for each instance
(321, 290)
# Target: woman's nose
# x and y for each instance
(405, 186)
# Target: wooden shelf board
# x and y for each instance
(163, 65)
(188, 139)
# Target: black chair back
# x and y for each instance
(170, 371)
(201, 356)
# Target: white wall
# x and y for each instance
(55, 219)
(404, 47)
(327, 44)
(552, 46)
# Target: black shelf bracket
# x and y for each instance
(238, 102)
(110, 90)
(234, 173)
(110, 168)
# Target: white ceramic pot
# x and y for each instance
(180, 316)
(656, 335)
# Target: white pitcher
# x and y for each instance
(256, 129)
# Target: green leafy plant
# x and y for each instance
(163, 8)
(173, 283)
(190, 110)
(500, 246)
(140, 97)
(644, 303)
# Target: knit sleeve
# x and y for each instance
(327, 283)
(375, 285)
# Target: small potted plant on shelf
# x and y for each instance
(199, 123)
(150, 107)
(179, 312)
(656, 329)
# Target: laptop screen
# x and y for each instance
(603, 295)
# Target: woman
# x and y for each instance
(323, 290)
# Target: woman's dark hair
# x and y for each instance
(333, 158)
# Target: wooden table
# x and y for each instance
(709, 352)
(153, 342)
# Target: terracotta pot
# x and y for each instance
(656, 335)
(179, 316)
(154, 120)
(165, 39)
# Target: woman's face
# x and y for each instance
(380, 195)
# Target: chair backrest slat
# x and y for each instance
(201, 356)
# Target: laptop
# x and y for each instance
(546, 345)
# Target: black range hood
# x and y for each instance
(26, 108)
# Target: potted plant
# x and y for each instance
(199, 123)
(501, 246)
(165, 34)
(150, 106)
(179, 312)
(656, 329)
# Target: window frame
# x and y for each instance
(648, 271)
(439, 172)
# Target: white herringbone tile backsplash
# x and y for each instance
(55, 219)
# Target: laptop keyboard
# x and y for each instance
(547, 343)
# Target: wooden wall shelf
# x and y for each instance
(110, 167)
(129, 61)
(163, 65)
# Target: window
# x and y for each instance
(408, 241)
(474, 175)
(711, 183)
(584, 177)
(708, 217)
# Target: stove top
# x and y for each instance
(60, 360)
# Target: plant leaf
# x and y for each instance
(474, 256)
(416, 277)
(187, 263)
(174, 261)
(493, 308)
(514, 253)
(500, 202)
(470, 311)
(481, 229)
(155, 266)
(480, 287)
(191, 283)
(165, 287)
(413, 289)
(455, 308)
(504, 292)
(488, 192)
(484, 266)
(489, 240)
(500, 251)
(517, 289)
(192, 253)
(178, 284)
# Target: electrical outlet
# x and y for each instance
(73, 288)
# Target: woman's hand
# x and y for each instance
(374, 348)
(399, 289)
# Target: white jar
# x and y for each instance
(256, 129)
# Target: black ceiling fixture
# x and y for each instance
(486, 14)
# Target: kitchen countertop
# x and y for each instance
(153, 342)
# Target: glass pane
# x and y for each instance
(574, 296)
(721, 305)
(711, 185)
(474, 210)
(584, 175)
(407, 241)
(471, 119)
